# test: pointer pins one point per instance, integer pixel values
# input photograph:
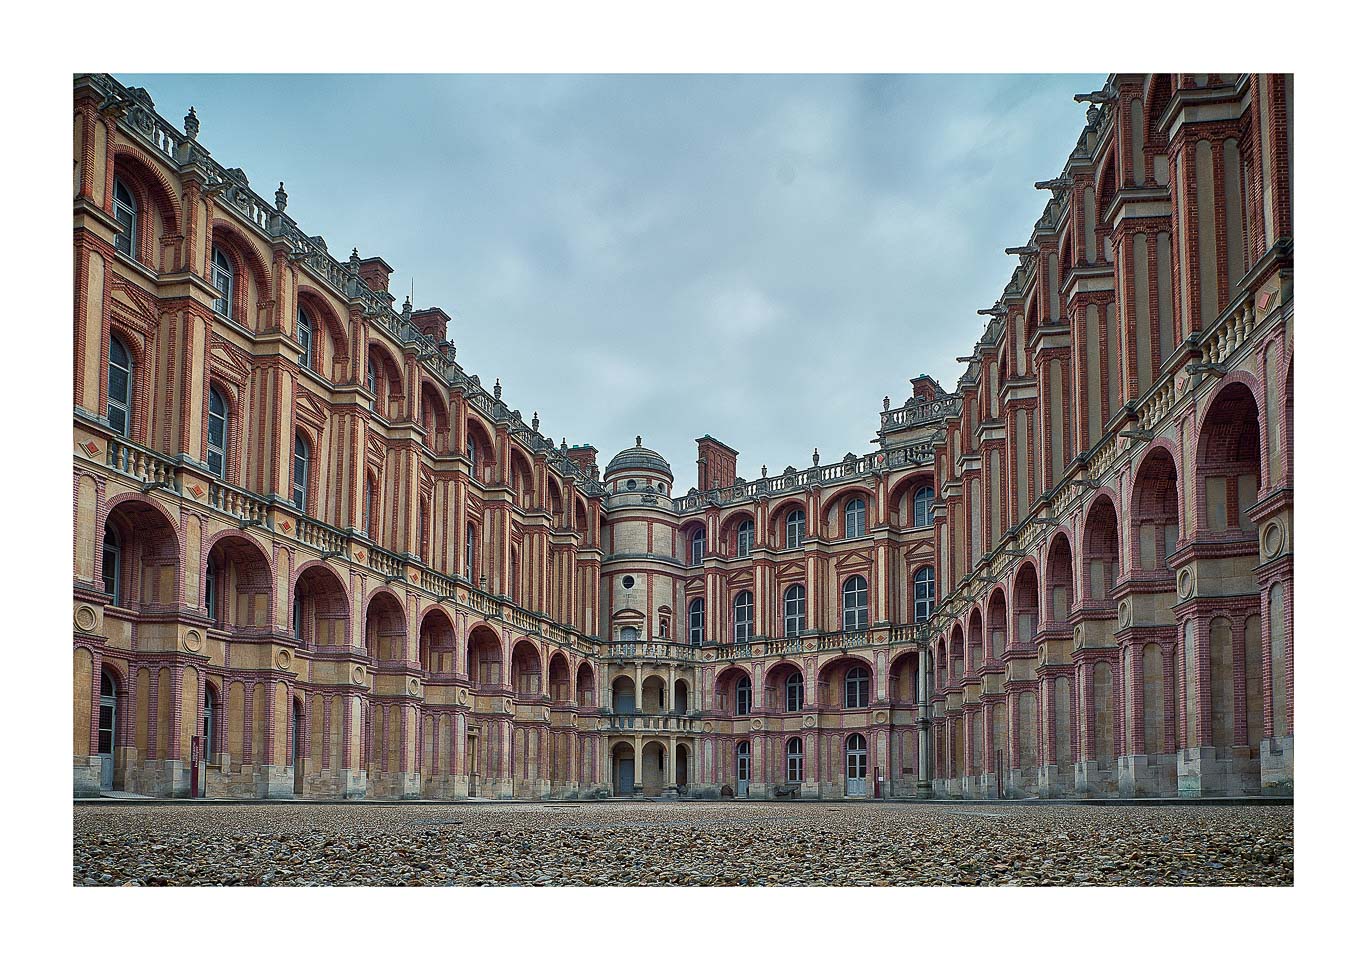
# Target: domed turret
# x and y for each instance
(638, 458)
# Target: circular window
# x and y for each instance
(631, 484)
(628, 582)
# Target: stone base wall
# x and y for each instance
(1277, 764)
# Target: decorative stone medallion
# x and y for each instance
(756, 724)
(1184, 582)
(809, 721)
(358, 674)
(707, 727)
(413, 686)
(508, 705)
(85, 618)
(462, 696)
(1272, 540)
(1123, 614)
(880, 717)
(283, 658)
(193, 642)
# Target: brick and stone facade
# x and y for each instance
(314, 556)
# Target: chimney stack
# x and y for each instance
(375, 274)
(716, 463)
(432, 322)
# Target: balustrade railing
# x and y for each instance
(139, 463)
(239, 503)
(322, 537)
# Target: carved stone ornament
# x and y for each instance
(283, 659)
(193, 641)
(1273, 541)
(85, 617)
(358, 674)
(1184, 583)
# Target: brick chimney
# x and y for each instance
(432, 322)
(585, 457)
(375, 274)
(925, 388)
(716, 463)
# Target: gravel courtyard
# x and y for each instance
(650, 844)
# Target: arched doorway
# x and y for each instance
(653, 768)
(208, 731)
(856, 765)
(297, 744)
(109, 696)
(743, 769)
(623, 770)
(681, 768)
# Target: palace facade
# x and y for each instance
(314, 556)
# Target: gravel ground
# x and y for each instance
(654, 844)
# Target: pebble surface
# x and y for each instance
(681, 844)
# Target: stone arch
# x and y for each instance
(558, 678)
(1058, 579)
(239, 583)
(974, 652)
(321, 310)
(1155, 512)
(1229, 459)
(241, 251)
(725, 687)
(386, 627)
(322, 605)
(655, 694)
(526, 669)
(1101, 548)
(438, 646)
(654, 762)
(730, 531)
(996, 623)
(1025, 603)
(585, 685)
(776, 680)
(902, 679)
(434, 414)
(484, 658)
(831, 677)
(149, 187)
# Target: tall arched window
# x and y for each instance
(368, 507)
(301, 471)
(470, 552)
(794, 527)
(209, 729)
(743, 692)
(854, 518)
(303, 332)
(924, 587)
(854, 598)
(119, 409)
(471, 454)
(695, 622)
(211, 591)
(794, 756)
(697, 546)
(745, 616)
(111, 562)
(422, 542)
(856, 688)
(745, 538)
(126, 212)
(218, 432)
(792, 689)
(370, 381)
(224, 278)
(794, 610)
(921, 504)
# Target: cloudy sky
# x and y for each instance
(758, 258)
